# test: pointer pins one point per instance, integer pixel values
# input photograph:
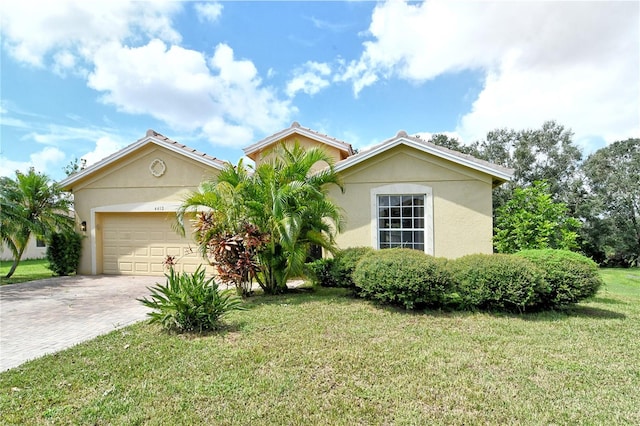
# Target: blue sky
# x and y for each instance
(84, 79)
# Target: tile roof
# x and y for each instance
(305, 131)
(151, 137)
(502, 173)
(192, 152)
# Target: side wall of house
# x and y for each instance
(31, 252)
(460, 199)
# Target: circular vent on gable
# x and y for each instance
(157, 167)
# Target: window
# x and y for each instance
(401, 221)
(402, 216)
(40, 243)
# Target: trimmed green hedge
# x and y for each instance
(404, 277)
(571, 276)
(338, 271)
(530, 280)
(497, 282)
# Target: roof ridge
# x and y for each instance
(295, 125)
(157, 135)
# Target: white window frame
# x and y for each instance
(404, 189)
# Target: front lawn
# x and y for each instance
(325, 358)
(28, 270)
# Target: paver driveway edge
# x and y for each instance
(45, 316)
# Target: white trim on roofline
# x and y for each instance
(342, 146)
(134, 146)
(358, 158)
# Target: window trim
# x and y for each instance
(404, 189)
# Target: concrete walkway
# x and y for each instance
(45, 316)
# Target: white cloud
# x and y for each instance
(310, 79)
(210, 11)
(129, 51)
(33, 29)
(105, 146)
(575, 62)
(180, 87)
(43, 161)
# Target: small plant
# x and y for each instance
(190, 302)
(63, 252)
(404, 277)
(571, 276)
(499, 282)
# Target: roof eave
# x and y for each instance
(258, 146)
(501, 176)
(67, 183)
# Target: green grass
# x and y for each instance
(28, 270)
(325, 358)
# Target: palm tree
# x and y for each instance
(31, 205)
(285, 199)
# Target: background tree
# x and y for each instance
(451, 143)
(76, 165)
(284, 199)
(612, 208)
(32, 205)
(546, 154)
(532, 220)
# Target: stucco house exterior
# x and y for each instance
(36, 249)
(404, 192)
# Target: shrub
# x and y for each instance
(345, 263)
(337, 271)
(571, 276)
(321, 272)
(63, 253)
(190, 302)
(404, 277)
(497, 282)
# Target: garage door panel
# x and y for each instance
(157, 251)
(141, 252)
(138, 243)
(156, 236)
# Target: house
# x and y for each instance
(404, 192)
(36, 249)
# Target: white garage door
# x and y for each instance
(138, 244)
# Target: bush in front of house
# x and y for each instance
(190, 302)
(321, 272)
(405, 277)
(571, 276)
(337, 271)
(63, 253)
(499, 282)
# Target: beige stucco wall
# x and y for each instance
(128, 185)
(462, 206)
(31, 252)
(305, 143)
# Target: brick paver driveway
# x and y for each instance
(45, 316)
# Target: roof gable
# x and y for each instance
(152, 137)
(500, 174)
(295, 128)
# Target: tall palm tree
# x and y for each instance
(31, 205)
(285, 199)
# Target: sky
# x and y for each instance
(83, 79)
